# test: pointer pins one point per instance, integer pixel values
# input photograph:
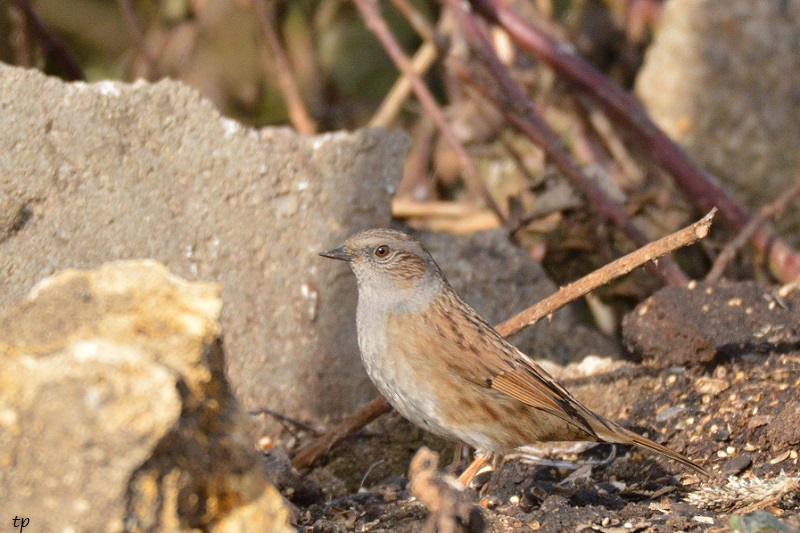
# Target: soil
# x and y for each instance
(737, 415)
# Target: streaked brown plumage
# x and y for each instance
(446, 369)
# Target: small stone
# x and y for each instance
(758, 421)
(711, 386)
(721, 435)
(737, 465)
(670, 412)
(780, 458)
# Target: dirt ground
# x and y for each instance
(738, 415)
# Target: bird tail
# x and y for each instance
(644, 442)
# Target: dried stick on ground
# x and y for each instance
(375, 408)
(603, 275)
(298, 114)
(699, 187)
(378, 406)
(378, 26)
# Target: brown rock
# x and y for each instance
(680, 325)
(115, 413)
(784, 429)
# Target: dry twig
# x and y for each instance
(425, 56)
(298, 114)
(378, 26)
(375, 408)
(52, 46)
(132, 23)
(423, 59)
(603, 275)
(416, 19)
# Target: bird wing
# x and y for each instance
(530, 384)
(500, 366)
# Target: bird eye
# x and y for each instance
(382, 251)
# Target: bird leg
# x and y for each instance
(469, 474)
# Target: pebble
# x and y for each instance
(736, 465)
(721, 435)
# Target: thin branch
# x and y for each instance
(52, 46)
(284, 419)
(424, 58)
(770, 210)
(375, 408)
(378, 26)
(416, 19)
(702, 189)
(612, 141)
(416, 182)
(19, 38)
(408, 208)
(537, 130)
(298, 114)
(132, 23)
(603, 275)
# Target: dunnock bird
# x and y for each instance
(446, 369)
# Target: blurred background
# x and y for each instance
(721, 78)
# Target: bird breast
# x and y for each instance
(397, 367)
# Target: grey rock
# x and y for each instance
(737, 464)
(96, 172)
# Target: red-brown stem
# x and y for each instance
(52, 46)
(521, 113)
(132, 23)
(701, 189)
(378, 26)
(366, 414)
(298, 114)
(768, 211)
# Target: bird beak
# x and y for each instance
(341, 253)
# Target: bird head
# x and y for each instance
(389, 264)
